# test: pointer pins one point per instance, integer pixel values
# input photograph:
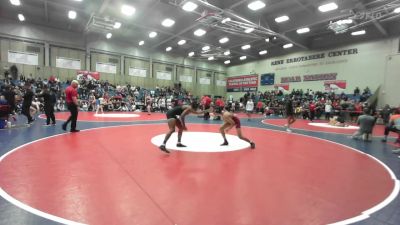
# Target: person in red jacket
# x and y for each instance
(206, 102)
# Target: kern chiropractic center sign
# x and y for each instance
(323, 55)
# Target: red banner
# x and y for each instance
(84, 74)
(282, 87)
(242, 83)
(335, 85)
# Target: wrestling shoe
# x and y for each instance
(180, 145)
(163, 148)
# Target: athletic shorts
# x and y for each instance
(177, 121)
(237, 121)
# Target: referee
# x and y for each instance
(71, 98)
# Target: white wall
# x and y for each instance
(367, 68)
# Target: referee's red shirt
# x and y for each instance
(69, 93)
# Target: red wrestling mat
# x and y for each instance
(110, 116)
(116, 176)
(301, 124)
(244, 115)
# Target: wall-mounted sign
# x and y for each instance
(106, 67)
(242, 83)
(268, 79)
(27, 58)
(67, 63)
(137, 72)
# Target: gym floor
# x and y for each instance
(112, 172)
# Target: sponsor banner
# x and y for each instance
(106, 67)
(221, 83)
(186, 78)
(282, 87)
(335, 85)
(164, 75)
(87, 75)
(137, 72)
(242, 83)
(268, 79)
(205, 80)
(290, 79)
(68, 63)
(27, 58)
(316, 77)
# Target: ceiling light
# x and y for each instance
(117, 25)
(281, 19)
(266, 39)
(263, 52)
(288, 45)
(223, 40)
(226, 20)
(346, 21)
(243, 57)
(275, 38)
(328, 7)
(303, 30)
(191, 54)
(189, 6)
(128, 10)
(141, 43)
(200, 32)
(181, 42)
(168, 49)
(21, 17)
(168, 22)
(227, 61)
(249, 30)
(211, 58)
(227, 52)
(72, 14)
(256, 5)
(205, 48)
(245, 47)
(109, 35)
(152, 34)
(397, 10)
(15, 2)
(360, 32)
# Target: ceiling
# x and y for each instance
(376, 17)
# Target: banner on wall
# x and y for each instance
(163, 75)
(221, 83)
(242, 83)
(205, 80)
(67, 63)
(282, 87)
(335, 85)
(137, 72)
(186, 78)
(106, 67)
(27, 58)
(268, 79)
(87, 75)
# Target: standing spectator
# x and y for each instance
(249, 108)
(27, 102)
(312, 107)
(366, 123)
(385, 114)
(328, 110)
(49, 101)
(206, 102)
(71, 97)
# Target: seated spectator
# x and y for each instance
(366, 123)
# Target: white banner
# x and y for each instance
(205, 80)
(67, 63)
(106, 67)
(164, 75)
(137, 72)
(221, 83)
(23, 58)
(186, 78)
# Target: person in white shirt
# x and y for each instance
(328, 110)
(249, 108)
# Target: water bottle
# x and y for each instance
(8, 124)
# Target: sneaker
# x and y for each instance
(252, 145)
(289, 130)
(74, 131)
(396, 151)
(225, 143)
(180, 145)
(163, 148)
(64, 127)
